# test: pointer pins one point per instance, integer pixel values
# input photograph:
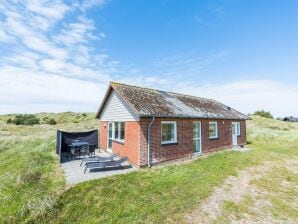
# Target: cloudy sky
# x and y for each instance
(60, 55)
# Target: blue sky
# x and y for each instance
(60, 55)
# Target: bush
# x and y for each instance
(25, 119)
(52, 122)
(47, 120)
(9, 120)
(263, 113)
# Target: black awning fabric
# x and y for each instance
(64, 138)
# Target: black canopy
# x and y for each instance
(65, 138)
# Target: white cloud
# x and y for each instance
(50, 9)
(24, 91)
(47, 70)
(247, 96)
(87, 4)
(250, 95)
(51, 64)
(79, 32)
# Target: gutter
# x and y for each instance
(148, 137)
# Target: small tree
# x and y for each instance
(263, 113)
(9, 120)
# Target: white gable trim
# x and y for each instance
(116, 109)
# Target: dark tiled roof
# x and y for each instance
(151, 102)
(291, 119)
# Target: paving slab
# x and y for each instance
(74, 173)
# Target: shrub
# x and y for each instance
(25, 119)
(47, 120)
(52, 122)
(9, 120)
(263, 113)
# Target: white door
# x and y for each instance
(197, 140)
(110, 136)
(234, 134)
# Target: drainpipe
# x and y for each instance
(148, 137)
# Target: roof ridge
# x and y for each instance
(140, 87)
(158, 90)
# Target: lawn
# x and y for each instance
(32, 187)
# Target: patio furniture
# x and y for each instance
(98, 159)
(77, 148)
(103, 165)
(92, 150)
(75, 151)
(70, 151)
(85, 149)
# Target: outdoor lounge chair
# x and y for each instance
(103, 165)
(98, 159)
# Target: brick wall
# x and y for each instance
(160, 152)
(135, 144)
(103, 134)
(131, 145)
(184, 148)
(242, 138)
(224, 139)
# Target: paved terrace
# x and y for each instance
(74, 173)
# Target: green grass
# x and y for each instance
(30, 176)
(156, 195)
(285, 182)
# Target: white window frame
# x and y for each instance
(175, 132)
(119, 131)
(216, 130)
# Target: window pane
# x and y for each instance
(238, 128)
(196, 130)
(122, 130)
(212, 130)
(110, 130)
(116, 136)
(233, 129)
(168, 132)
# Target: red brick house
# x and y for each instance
(151, 125)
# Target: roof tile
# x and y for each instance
(151, 102)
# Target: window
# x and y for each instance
(213, 132)
(116, 130)
(238, 128)
(122, 130)
(168, 132)
(119, 131)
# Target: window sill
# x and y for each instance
(169, 143)
(118, 141)
(214, 138)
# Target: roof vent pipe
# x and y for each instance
(148, 138)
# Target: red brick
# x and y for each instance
(135, 145)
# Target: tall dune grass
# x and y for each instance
(32, 186)
(30, 175)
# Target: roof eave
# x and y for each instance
(189, 116)
(103, 102)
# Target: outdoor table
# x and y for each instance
(79, 144)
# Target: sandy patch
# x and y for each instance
(235, 189)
